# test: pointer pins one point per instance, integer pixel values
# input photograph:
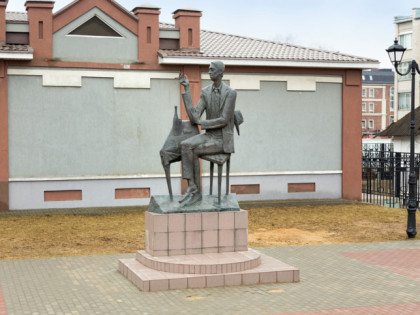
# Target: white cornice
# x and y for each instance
(373, 114)
(16, 56)
(269, 63)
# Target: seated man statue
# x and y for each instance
(218, 101)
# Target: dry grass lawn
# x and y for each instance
(70, 235)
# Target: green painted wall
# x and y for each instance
(95, 49)
(288, 131)
(94, 130)
(97, 130)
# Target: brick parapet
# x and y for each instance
(40, 28)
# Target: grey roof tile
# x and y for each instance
(221, 45)
(8, 48)
(12, 16)
(163, 25)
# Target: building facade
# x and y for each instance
(408, 35)
(378, 101)
(87, 96)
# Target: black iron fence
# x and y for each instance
(385, 175)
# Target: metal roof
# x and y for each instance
(381, 76)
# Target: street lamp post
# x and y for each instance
(396, 53)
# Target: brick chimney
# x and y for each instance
(148, 33)
(187, 20)
(40, 27)
(3, 4)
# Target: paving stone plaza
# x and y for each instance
(373, 278)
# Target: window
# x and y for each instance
(363, 124)
(95, 27)
(391, 119)
(363, 92)
(405, 40)
(404, 101)
(403, 67)
(371, 125)
(391, 99)
(371, 92)
(363, 107)
(371, 108)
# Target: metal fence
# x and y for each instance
(385, 175)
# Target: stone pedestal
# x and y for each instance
(198, 250)
(196, 233)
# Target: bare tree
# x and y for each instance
(286, 39)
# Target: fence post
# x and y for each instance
(381, 162)
(397, 180)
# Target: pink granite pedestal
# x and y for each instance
(198, 250)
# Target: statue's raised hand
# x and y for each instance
(183, 80)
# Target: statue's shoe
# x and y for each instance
(195, 198)
(188, 193)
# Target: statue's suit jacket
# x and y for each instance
(227, 110)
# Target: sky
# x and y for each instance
(358, 27)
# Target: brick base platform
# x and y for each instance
(208, 271)
(200, 250)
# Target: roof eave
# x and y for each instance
(402, 19)
(269, 63)
(16, 56)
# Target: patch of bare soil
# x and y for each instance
(293, 236)
(71, 235)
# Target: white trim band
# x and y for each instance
(294, 82)
(147, 176)
(134, 79)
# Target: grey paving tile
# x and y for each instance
(92, 285)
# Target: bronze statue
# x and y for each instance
(218, 101)
(171, 150)
(184, 141)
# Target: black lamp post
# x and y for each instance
(396, 53)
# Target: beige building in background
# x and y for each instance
(408, 35)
